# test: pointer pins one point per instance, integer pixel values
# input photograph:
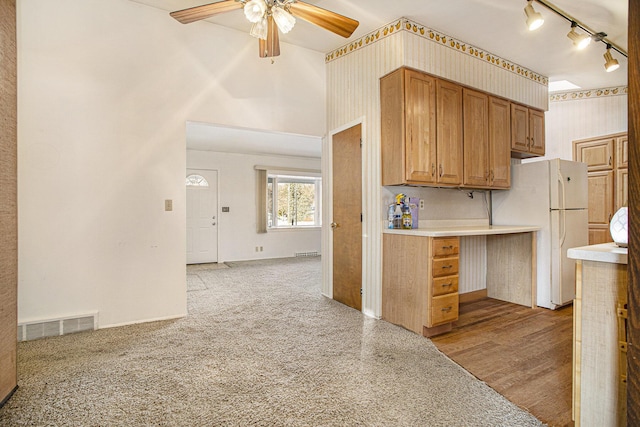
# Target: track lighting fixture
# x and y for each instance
(534, 19)
(610, 63)
(580, 41)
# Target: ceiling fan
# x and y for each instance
(269, 16)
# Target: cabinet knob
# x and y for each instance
(440, 170)
(433, 169)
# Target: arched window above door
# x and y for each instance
(195, 180)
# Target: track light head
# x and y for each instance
(610, 63)
(534, 19)
(580, 41)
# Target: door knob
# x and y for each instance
(334, 225)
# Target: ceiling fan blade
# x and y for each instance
(323, 18)
(198, 13)
(271, 46)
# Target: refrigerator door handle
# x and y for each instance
(563, 212)
(562, 196)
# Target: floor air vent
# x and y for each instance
(314, 253)
(52, 328)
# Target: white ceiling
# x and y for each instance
(496, 26)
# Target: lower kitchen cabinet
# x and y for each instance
(420, 282)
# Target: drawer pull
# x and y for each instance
(446, 309)
(447, 247)
(447, 285)
(447, 266)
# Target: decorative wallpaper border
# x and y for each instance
(404, 24)
(591, 93)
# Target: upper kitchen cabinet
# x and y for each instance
(421, 129)
(449, 132)
(596, 153)
(487, 143)
(408, 128)
(527, 131)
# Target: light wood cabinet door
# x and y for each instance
(536, 132)
(597, 154)
(408, 128)
(420, 95)
(449, 132)
(499, 143)
(622, 188)
(476, 138)
(601, 206)
(622, 152)
(392, 128)
(527, 131)
(519, 128)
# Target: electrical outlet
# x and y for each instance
(421, 204)
(260, 248)
(257, 248)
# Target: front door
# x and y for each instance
(202, 216)
(347, 217)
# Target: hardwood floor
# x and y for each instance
(525, 354)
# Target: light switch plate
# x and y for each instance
(168, 205)
(225, 209)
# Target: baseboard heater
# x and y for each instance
(55, 327)
(313, 253)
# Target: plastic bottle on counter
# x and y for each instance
(397, 216)
(407, 222)
(391, 214)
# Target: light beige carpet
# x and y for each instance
(260, 347)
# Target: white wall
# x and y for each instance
(237, 236)
(105, 88)
(567, 121)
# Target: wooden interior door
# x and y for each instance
(347, 217)
(8, 196)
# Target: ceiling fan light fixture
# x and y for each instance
(284, 20)
(534, 19)
(259, 29)
(580, 41)
(610, 63)
(255, 10)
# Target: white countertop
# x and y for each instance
(606, 252)
(462, 230)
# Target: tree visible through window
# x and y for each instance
(293, 201)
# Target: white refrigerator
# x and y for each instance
(552, 194)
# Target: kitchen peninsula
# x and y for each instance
(600, 335)
(421, 266)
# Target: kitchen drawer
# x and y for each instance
(444, 309)
(444, 267)
(445, 246)
(444, 285)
